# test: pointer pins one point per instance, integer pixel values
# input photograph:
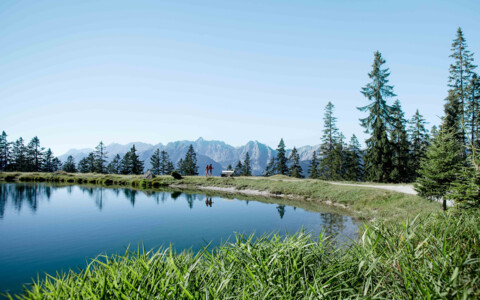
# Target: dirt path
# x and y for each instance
(406, 189)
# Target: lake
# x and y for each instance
(48, 228)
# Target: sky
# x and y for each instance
(75, 73)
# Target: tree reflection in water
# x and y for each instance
(281, 210)
(21, 193)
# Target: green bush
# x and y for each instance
(176, 175)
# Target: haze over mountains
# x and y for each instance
(217, 153)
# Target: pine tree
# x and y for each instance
(170, 167)
(418, 143)
(181, 166)
(337, 156)
(35, 155)
(313, 169)
(165, 163)
(295, 169)
(329, 138)
(247, 169)
(461, 72)
(189, 163)
(19, 156)
(400, 145)
(155, 162)
(229, 167)
(69, 165)
(378, 156)
(100, 158)
(439, 169)
(238, 171)
(353, 161)
(114, 167)
(281, 159)
(47, 165)
(56, 164)
(136, 163)
(83, 166)
(270, 168)
(92, 163)
(4, 152)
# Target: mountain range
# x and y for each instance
(217, 153)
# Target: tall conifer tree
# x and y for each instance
(353, 161)
(418, 135)
(4, 151)
(400, 145)
(295, 169)
(100, 158)
(378, 156)
(329, 139)
(69, 165)
(313, 169)
(247, 169)
(155, 162)
(461, 72)
(281, 159)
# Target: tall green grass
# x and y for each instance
(430, 257)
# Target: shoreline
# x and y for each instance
(365, 202)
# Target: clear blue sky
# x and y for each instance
(77, 72)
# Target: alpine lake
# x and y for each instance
(47, 228)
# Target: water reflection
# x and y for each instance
(19, 195)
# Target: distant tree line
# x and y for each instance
(16, 156)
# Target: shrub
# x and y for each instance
(176, 175)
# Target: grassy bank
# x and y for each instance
(433, 256)
(365, 203)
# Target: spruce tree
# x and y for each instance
(19, 156)
(181, 166)
(114, 167)
(270, 168)
(92, 162)
(378, 156)
(56, 164)
(400, 145)
(329, 138)
(35, 155)
(100, 158)
(188, 165)
(337, 157)
(418, 135)
(295, 169)
(229, 167)
(126, 164)
(69, 165)
(170, 167)
(83, 166)
(461, 72)
(4, 151)
(439, 169)
(165, 163)
(238, 171)
(136, 163)
(353, 161)
(155, 162)
(281, 159)
(247, 169)
(313, 169)
(47, 165)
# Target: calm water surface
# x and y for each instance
(45, 228)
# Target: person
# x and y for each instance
(206, 170)
(210, 168)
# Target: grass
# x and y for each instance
(435, 256)
(364, 203)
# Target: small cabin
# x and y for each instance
(227, 174)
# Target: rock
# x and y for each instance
(148, 175)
